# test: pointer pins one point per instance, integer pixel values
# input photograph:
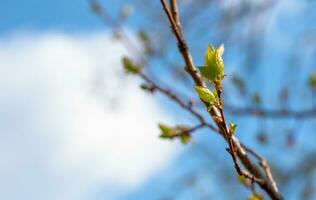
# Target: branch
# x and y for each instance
(176, 99)
(264, 165)
(264, 113)
(175, 13)
(232, 141)
(183, 48)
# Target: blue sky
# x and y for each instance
(69, 15)
(59, 109)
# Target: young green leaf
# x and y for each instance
(220, 50)
(232, 127)
(166, 131)
(185, 138)
(243, 179)
(145, 40)
(181, 132)
(205, 94)
(143, 36)
(255, 196)
(213, 68)
(129, 66)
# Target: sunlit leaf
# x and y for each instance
(185, 138)
(232, 127)
(255, 196)
(165, 130)
(181, 132)
(205, 94)
(243, 179)
(213, 68)
(145, 40)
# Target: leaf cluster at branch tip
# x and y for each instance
(213, 68)
(182, 132)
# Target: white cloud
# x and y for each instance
(70, 120)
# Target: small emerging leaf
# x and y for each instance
(185, 138)
(147, 87)
(255, 196)
(205, 94)
(166, 131)
(243, 179)
(232, 127)
(145, 40)
(182, 132)
(143, 36)
(213, 68)
(220, 50)
(129, 66)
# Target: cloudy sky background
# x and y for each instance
(71, 119)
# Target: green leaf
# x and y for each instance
(232, 127)
(220, 50)
(185, 138)
(312, 80)
(145, 86)
(243, 179)
(181, 132)
(145, 40)
(129, 66)
(166, 131)
(143, 36)
(214, 91)
(205, 94)
(255, 196)
(213, 68)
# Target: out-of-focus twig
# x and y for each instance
(175, 98)
(265, 113)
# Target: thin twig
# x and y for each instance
(175, 13)
(183, 48)
(106, 17)
(191, 69)
(263, 164)
(264, 113)
(176, 99)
